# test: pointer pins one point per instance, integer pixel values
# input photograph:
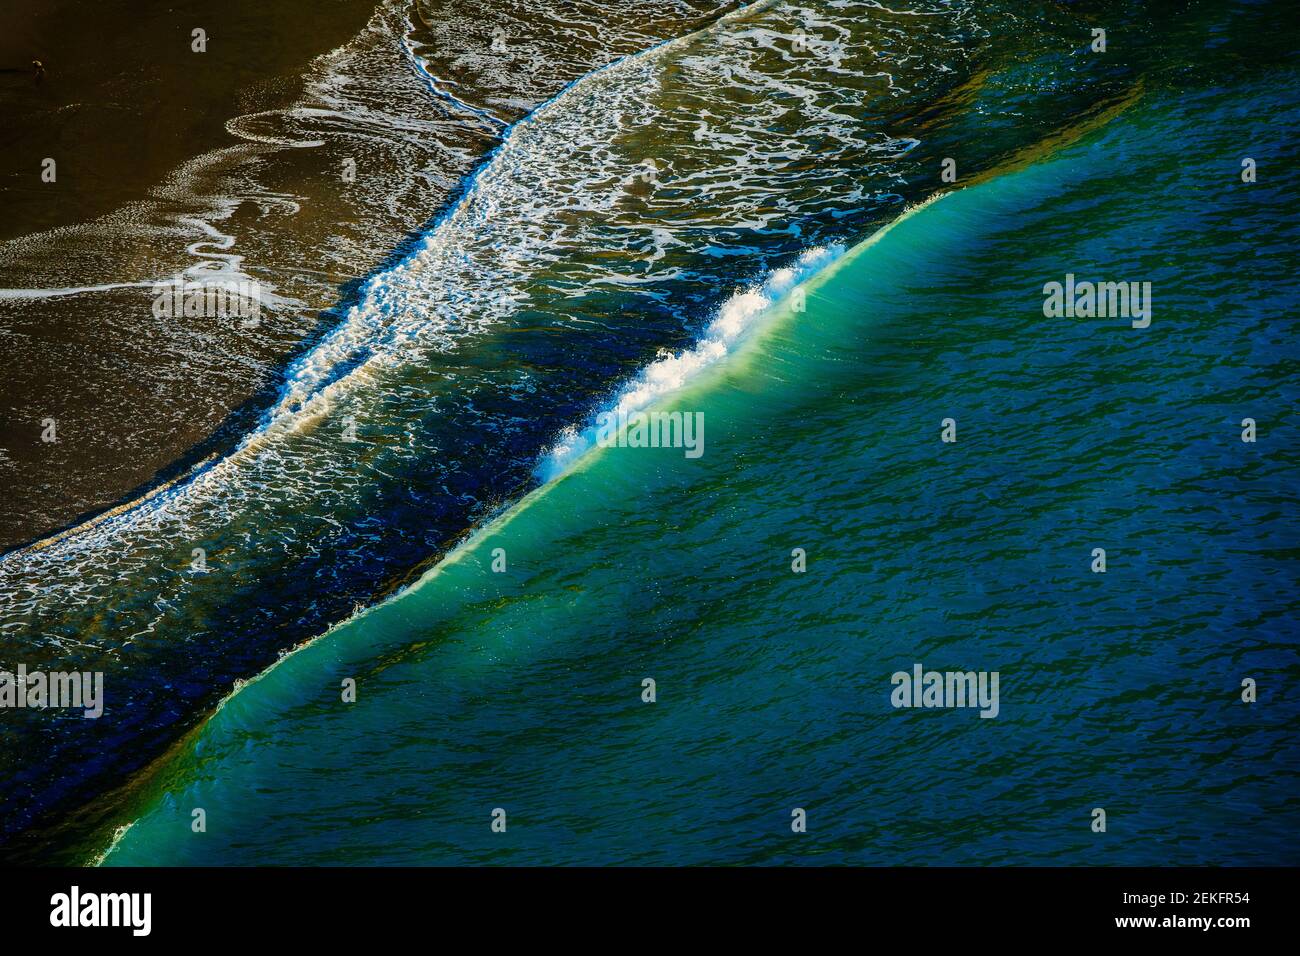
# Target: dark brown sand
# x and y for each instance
(123, 104)
(124, 100)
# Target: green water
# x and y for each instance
(523, 690)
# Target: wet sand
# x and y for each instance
(125, 99)
(124, 104)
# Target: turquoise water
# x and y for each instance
(522, 690)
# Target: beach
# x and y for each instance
(318, 324)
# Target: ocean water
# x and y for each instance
(571, 276)
(523, 690)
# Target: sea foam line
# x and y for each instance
(737, 318)
(355, 342)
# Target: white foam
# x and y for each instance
(735, 321)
